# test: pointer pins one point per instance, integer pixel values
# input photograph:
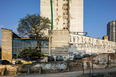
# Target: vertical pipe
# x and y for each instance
(51, 15)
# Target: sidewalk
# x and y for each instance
(67, 74)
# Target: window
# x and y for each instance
(65, 4)
(65, 0)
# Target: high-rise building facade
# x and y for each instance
(67, 14)
(111, 31)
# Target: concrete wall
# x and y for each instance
(54, 66)
(57, 12)
(59, 42)
(92, 45)
(76, 15)
(6, 44)
(63, 44)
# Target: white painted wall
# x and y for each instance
(92, 45)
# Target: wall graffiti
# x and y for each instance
(92, 45)
(54, 66)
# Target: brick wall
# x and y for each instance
(6, 44)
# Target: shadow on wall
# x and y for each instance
(67, 51)
(60, 51)
(73, 49)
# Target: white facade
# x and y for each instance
(91, 45)
(66, 14)
(76, 15)
(63, 43)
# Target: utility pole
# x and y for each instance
(51, 15)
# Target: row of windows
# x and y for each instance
(24, 43)
(63, 9)
(63, 23)
(64, 0)
(18, 45)
(43, 49)
(64, 14)
(65, 4)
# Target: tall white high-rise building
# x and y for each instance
(67, 14)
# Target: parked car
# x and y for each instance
(86, 55)
(4, 62)
(50, 58)
(24, 61)
(44, 59)
(71, 58)
(18, 62)
(77, 57)
(34, 61)
(6, 66)
(94, 55)
(59, 58)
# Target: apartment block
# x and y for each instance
(111, 31)
(67, 14)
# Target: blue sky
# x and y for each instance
(97, 13)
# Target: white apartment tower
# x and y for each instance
(67, 14)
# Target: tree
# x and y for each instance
(33, 26)
(30, 53)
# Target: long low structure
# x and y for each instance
(92, 45)
(63, 43)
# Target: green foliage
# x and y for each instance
(30, 53)
(33, 25)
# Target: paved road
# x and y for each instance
(67, 74)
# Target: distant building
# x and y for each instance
(67, 14)
(111, 31)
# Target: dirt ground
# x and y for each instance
(110, 72)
